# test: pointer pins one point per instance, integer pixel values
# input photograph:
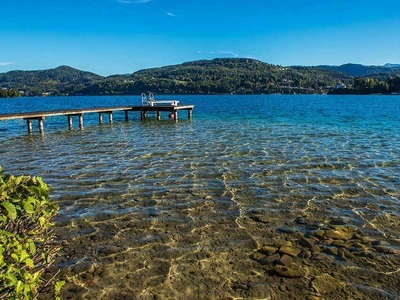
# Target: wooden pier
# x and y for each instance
(143, 109)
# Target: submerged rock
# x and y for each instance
(325, 284)
(292, 251)
(272, 258)
(308, 243)
(383, 249)
(321, 256)
(338, 221)
(286, 230)
(305, 254)
(292, 272)
(332, 251)
(268, 250)
(108, 250)
(338, 234)
(285, 260)
(84, 267)
(257, 256)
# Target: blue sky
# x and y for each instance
(122, 36)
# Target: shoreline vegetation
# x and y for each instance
(207, 77)
(9, 93)
(28, 246)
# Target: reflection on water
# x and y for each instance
(258, 197)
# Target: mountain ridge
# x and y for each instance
(389, 65)
(220, 75)
(364, 70)
(342, 67)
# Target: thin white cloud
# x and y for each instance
(133, 1)
(227, 53)
(171, 14)
(3, 64)
(231, 53)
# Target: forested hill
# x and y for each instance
(217, 76)
(58, 81)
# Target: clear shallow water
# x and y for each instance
(184, 209)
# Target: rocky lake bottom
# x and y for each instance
(257, 197)
(212, 248)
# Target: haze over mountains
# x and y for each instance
(362, 70)
(217, 76)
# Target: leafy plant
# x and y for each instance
(27, 244)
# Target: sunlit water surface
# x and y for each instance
(186, 209)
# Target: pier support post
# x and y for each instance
(100, 118)
(41, 128)
(142, 115)
(126, 116)
(81, 121)
(110, 117)
(190, 114)
(158, 115)
(176, 115)
(69, 122)
(29, 123)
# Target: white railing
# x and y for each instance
(152, 102)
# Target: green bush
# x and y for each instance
(27, 244)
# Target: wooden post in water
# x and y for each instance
(41, 128)
(190, 114)
(69, 122)
(29, 123)
(100, 118)
(110, 117)
(126, 116)
(81, 121)
(158, 115)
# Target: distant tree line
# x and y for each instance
(369, 85)
(9, 93)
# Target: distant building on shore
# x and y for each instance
(340, 85)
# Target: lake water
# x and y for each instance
(256, 197)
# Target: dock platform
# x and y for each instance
(143, 109)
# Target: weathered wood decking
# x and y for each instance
(143, 109)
